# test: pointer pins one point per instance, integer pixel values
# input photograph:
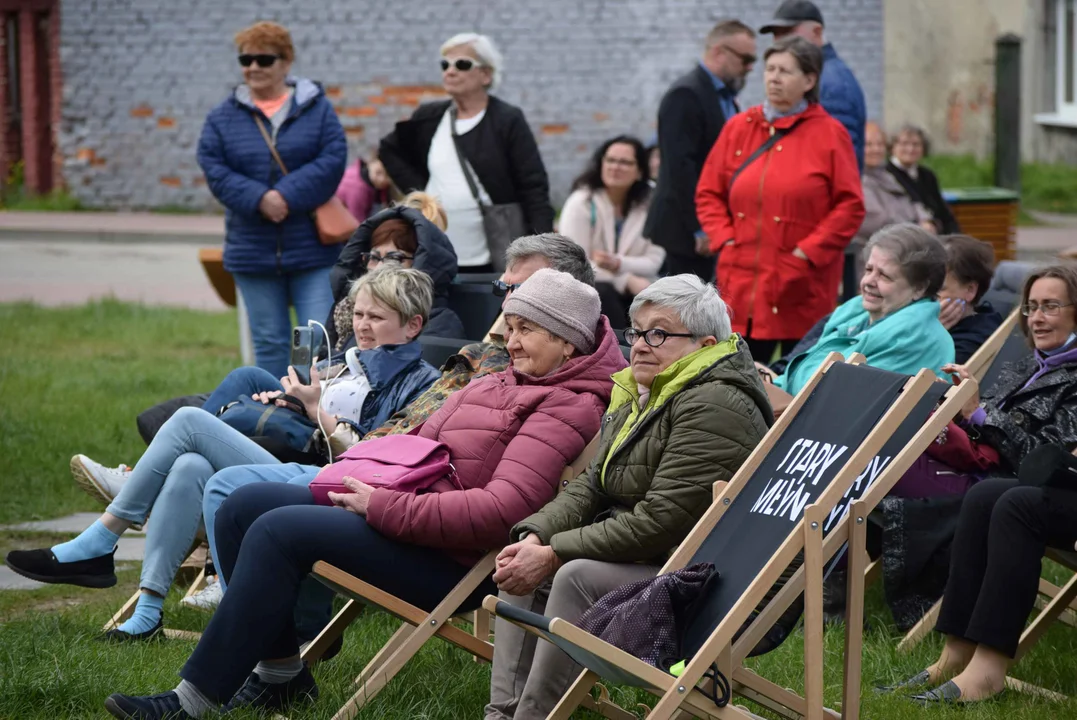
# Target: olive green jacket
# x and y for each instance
(651, 478)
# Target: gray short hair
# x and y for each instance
(485, 51)
(698, 304)
(406, 291)
(562, 254)
(911, 129)
(920, 255)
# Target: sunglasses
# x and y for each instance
(263, 61)
(502, 288)
(372, 257)
(461, 64)
(745, 58)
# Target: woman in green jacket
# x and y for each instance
(686, 413)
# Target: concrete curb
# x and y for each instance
(109, 236)
(134, 227)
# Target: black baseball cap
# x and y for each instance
(791, 13)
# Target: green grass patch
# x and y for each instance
(72, 380)
(1047, 188)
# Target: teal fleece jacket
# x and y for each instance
(903, 342)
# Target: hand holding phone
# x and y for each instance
(303, 350)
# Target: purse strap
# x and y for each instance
(460, 156)
(269, 142)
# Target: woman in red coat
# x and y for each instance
(779, 199)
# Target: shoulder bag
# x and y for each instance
(774, 138)
(501, 223)
(335, 224)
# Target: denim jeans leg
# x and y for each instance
(311, 294)
(241, 381)
(266, 297)
(221, 486)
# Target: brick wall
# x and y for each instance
(139, 78)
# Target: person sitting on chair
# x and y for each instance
(509, 436)
(1004, 526)
(169, 480)
(963, 311)
(686, 413)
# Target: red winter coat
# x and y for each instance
(802, 193)
(509, 435)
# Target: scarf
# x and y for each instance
(771, 114)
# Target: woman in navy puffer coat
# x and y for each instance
(271, 243)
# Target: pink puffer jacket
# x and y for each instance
(509, 435)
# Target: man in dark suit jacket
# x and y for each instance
(690, 118)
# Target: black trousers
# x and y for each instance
(1001, 536)
(694, 265)
(269, 535)
(614, 305)
(763, 350)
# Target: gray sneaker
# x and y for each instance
(99, 482)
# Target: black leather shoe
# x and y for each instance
(165, 706)
(42, 565)
(256, 693)
(116, 635)
(916, 681)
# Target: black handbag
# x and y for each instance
(501, 223)
(1049, 466)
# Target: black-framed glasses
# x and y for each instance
(746, 59)
(653, 337)
(373, 257)
(1049, 308)
(262, 60)
(502, 288)
(461, 64)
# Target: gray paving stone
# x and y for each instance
(71, 524)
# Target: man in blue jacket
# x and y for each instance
(840, 93)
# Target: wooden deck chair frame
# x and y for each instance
(185, 569)
(680, 693)
(417, 625)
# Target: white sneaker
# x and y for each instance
(208, 598)
(100, 482)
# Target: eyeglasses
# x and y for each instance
(371, 257)
(461, 64)
(263, 61)
(502, 288)
(745, 58)
(653, 337)
(619, 162)
(1050, 309)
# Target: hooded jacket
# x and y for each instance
(434, 256)
(397, 374)
(240, 169)
(652, 477)
(510, 435)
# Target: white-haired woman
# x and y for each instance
(429, 150)
(659, 454)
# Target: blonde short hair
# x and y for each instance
(429, 206)
(406, 291)
(485, 51)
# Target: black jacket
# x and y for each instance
(925, 190)
(971, 332)
(435, 257)
(689, 120)
(501, 150)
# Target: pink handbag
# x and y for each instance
(406, 463)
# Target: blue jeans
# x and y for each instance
(268, 298)
(241, 381)
(170, 478)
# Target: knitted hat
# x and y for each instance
(560, 303)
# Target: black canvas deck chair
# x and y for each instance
(804, 492)
(417, 626)
(1006, 344)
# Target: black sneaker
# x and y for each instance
(42, 565)
(116, 635)
(257, 693)
(165, 706)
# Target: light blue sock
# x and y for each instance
(147, 613)
(95, 541)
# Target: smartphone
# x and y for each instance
(303, 352)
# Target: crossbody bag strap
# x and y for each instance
(460, 156)
(759, 152)
(269, 142)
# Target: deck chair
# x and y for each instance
(417, 626)
(765, 518)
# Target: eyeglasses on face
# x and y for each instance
(1049, 308)
(745, 58)
(653, 337)
(373, 258)
(461, 64)
(502, 288)
(262, 60)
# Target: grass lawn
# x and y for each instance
(1047, 188)
(72, 380)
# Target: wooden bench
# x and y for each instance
(212, 260)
